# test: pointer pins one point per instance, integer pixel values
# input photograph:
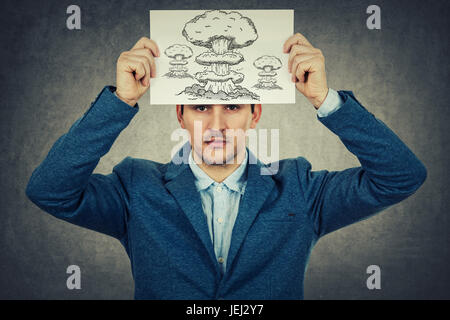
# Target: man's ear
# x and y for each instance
(256, 115)
(180, 116)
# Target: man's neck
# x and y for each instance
(219, 172)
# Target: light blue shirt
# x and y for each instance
(332, 103)
(220, 201)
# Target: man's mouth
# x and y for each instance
(216, 143)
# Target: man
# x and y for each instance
(214, 227)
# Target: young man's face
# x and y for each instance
(217, 132)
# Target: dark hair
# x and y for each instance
(182, 108)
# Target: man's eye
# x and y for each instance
(232, 107)
(201, 108)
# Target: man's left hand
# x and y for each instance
(307, 66)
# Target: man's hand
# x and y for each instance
(134, 70)
(307, 65)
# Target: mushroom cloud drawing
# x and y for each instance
(222, 34)
(180, 53)
(267, 78)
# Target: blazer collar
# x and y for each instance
(180, 182)
(180, 162)
(235, 181)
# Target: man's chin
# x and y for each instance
(218, 156)
(218, 161)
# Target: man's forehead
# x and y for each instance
(220, 105)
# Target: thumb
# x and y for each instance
(300, 86)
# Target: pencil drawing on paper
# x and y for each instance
(179, 53)
(222, 34)
(268, 65)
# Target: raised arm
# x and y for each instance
(64, 184)
(389, 171)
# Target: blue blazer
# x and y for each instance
(154, 210)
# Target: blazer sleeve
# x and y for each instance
(64, 186)
(389, 171)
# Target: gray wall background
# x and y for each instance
(49, 76)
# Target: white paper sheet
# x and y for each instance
(221, 57)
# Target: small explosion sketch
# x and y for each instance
(179, 53)
(268, 65)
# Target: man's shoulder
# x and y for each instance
(142, 167)
(150, 169)
(290, 166)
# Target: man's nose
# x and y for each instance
(217, 119)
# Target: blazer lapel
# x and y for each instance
(180, 183)
(256, 192)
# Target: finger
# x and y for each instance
(134, 66)
(297, 38)
(145, 42)
(130, 65)
(148, 55)
(297, 60)
(299, 49)
(145, 79)
(302, 68)
(132, 55)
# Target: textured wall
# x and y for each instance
(49, 76)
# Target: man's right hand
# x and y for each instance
(134, 70)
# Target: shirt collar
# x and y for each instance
(235, 181)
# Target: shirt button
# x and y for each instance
(221, 260)
(219, 189)
(220, 220)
